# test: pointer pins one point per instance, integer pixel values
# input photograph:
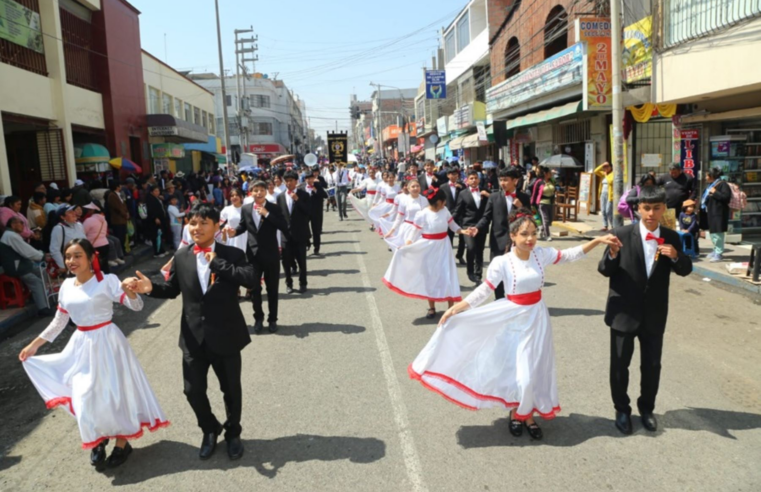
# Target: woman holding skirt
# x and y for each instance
(370, 186)
(501, 355)
(424, 267)
(97, 378)
(388, 219)
(385, 203)
(412, 204)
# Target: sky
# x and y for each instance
(324, 51)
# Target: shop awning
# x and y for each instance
(443, 142)
(472, 141)
(546, 115)
(456, 144)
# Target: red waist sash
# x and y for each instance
(389, 200)
(526, 299)
(94, 327)
(441, 235)
(371, 192)
(409, 222)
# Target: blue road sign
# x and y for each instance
(435, 84)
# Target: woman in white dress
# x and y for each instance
(501, 355)
(413, 203)
(385, 203)
(231, 215)
(388, 219)
(424, 267)
(370, 186)
(97, 377)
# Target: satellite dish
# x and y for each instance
(310, 159)
(433, 138)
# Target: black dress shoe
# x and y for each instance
(234, 448)
(461, 260)
(98, 454)
(209, 444)
(624, 423)
(289, 290)
(516, 427)
(272, 327)
(534, 431)
(302, 289)
(649, 422)
(258, 326)
(119, 456)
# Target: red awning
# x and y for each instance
(417, 148)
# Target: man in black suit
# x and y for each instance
(295, 204)
(261, 220)
(498, 209)
(212, 331)
(452, 190)
(470, 209)
(428, 179)
(638, 301)
(316, 188)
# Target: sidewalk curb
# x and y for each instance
(725, 278)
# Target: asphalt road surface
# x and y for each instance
(328, 404)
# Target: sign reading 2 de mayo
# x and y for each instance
(594, 32)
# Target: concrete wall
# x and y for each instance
(160, 76)
(25, 93)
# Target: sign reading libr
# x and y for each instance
(435, 84)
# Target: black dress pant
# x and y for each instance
(295, 252)
(460, 246)
(499, 292)
(317, 229)
(271, 272)
(120, 233)
(474, 256)
(621, 350)
(195, 371)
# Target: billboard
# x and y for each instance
(20, 25)
(598, 86)
(435, 84)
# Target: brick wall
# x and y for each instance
(526, 22)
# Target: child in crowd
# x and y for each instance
(688, 222)
(175, 220)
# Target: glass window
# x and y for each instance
(188, 113)
(211, 125)
(449, 46)
(166, 103)
(154, 101)
(259, 101)
(262, 129)
(463, 32)
(204, 120)
(177, 108)
(228, 100)
(196, 116)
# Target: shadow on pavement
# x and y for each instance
(343, 253)
(325, 273)
(323, 292)
(339, 242)
(576, 428)
(266, 456)
(339, 232)
(303, 331)
(554, 311)
(9, 461)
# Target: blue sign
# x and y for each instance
(435, 84)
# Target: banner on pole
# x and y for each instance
(20, 25)
(338, 147)
(598, 85)
(435, 84)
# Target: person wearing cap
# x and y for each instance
(80, 195)
(66, 230)
(96, 230)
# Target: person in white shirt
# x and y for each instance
(69, 228)
(342, 180)
(18, 260)
(175, 220)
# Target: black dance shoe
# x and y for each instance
(289, 290)
(516, 427)
(209, 444)
(534, 431)
(431, 314)
(461, 260)
(234, 448)
(648, 421)
(624, 423)
(98, 454)
(258, 326)
(119, 456)
(302, 289)
(272, 327)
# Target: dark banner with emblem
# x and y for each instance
(338, 145)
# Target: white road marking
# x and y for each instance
(411, 459)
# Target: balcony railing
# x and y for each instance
(684, 20)
(21, 56)
(80, 51)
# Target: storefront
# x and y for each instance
(165, 130)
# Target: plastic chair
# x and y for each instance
(12, 292)
(688, 244)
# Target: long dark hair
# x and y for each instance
(434, 195)
(519, 217)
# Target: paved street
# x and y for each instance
(328, 404)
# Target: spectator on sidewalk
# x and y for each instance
(679, 187)
(18, 260)
(605, 172)
(35, 214)
(53, 201)
(175, 220)
(80, 195)
(118, 215)
(67, 229)
(96, 230)
(715, 204)
(157, 224)
(632, 198)
(12, 208)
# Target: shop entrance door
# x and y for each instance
(33, 157)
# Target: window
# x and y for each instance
(555, 32)
(262, 129)
(166, 103)
(204, 119)
(154, 101)
(188, 113)
(196, 116)
(449, 46)
(228, 100)
(211, 125)
(512, 58)
(258, 101)
(177, 108)
(463, 32)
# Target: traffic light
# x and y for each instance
(354, 111)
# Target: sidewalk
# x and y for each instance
(590, 226)
(12, 317)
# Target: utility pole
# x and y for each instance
(242, 47)
(618, 110)
(224, 92)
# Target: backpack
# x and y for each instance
(624, 208)
(739, 199)
(142, 211)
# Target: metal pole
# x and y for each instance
(238, 116)
(224, 92)
(618, 110)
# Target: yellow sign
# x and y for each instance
(598, 83)
(637, 54)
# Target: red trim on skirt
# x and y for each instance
(417, 296)
(157, 424)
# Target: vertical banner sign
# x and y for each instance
(598, 85)
(638, 51)
(338, 147)
(435, 84)
(20, 26)
(690, 140)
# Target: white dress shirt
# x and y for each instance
(509, 201)
(341, 177)
(476, 196)
(429, 179)
(257, 215)
(289, 201)
(649, 247)
(204, 272)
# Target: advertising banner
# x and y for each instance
(21, 26)
(338, 145)
(598, 86)
(637, 53)
(167, 151)
(435, 84)
(690, 142)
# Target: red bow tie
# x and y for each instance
(474, 190)
(197, 250)
(658, 240)
(510, 194)
(429, 175)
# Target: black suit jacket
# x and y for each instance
(213, 318)
(298, 219)
(262, 240)
(451, 197)
(435, 181)
(636, 302)
(466, 213)
(317, 199)
(496, 215)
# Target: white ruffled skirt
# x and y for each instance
(424, 270)
(98, 379)
(361, 205)
(397, 240)
(376, 215)
(499, 355)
